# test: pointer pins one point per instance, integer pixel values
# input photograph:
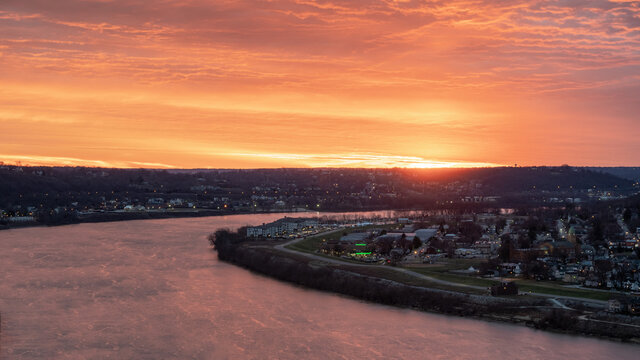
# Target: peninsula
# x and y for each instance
(385, 261)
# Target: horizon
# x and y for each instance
(322, 168)
(362, 84)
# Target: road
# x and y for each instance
(586, 317)
(553, 298)
(557, 303)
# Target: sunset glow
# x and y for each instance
(297, 83)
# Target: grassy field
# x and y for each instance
(556, 289)
(312, 243)
(442, 272)
(459, 279)
(390, 274)
(379, 271)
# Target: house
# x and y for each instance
(617, 305)
(21, 219)
(176, 202)
(451, 238)
(624, 304)
(464, 252)
(634, 306)
(525, 255)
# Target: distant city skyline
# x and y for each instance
(296, 83)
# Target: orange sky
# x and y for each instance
(236, 84)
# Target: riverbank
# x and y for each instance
(113, 216)
(377, 285)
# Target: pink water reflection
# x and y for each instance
(153, 289)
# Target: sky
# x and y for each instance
(336, 83)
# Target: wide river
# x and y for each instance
(153, 289)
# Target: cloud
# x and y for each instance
(456, 79)
(362, 160)
(38, 160)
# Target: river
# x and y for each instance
(153, 289)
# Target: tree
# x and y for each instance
(384, 245)
(596, 233)
(500, 224)
(417, 243)
(451, 250)
(536, 269)
(337, 249)
(436, 243)
(626, 215)
(524, 242)
(471, 231)
(603, 266)
(505, 248)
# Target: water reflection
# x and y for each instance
(152, 289)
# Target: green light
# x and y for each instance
(363, 253)
(361, 244)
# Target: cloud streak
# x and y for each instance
(36, 160)
(476, 80)
(364, 161)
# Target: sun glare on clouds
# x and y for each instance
(379, 83)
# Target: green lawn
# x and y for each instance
(455, 264)
(390, 274)
(555, 289)
(441, 272)
(312, 243)
(460, 279)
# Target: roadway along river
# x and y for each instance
(153, 289)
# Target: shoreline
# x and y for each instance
(529, 311)
(99, 217)
(130, 216)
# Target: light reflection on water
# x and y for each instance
(153, 289)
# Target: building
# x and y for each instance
(176, 202)
(155, 201)
(464, 252)
(282, 228)
(624, 305)
(21, 219)
(355, 237)
(634, 306)
(426, 234)
(616, 305)
(357, 242)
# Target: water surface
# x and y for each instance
(152, 289)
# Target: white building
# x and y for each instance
(282, 228)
